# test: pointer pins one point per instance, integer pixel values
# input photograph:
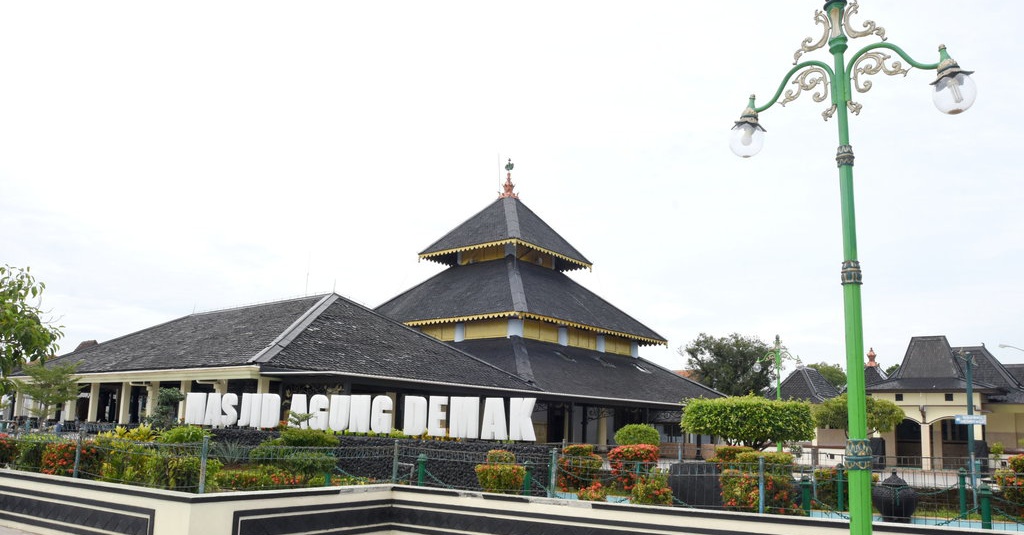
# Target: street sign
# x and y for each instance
(971, 419)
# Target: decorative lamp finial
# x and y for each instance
(509, 186)
(955, 90)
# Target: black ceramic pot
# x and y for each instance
(894, 499)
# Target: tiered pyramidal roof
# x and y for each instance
(505, 298)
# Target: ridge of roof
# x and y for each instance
(294, 330)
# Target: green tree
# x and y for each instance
(750, 420)
(48, 386)
(833, 373)
(891, 370)
(24, 336)
(727, 364)
(882, 415)
(167, 400)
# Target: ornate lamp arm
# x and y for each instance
(813, 73)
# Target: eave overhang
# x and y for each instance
(643, 340)
(440, 256)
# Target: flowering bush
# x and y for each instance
(577, 466)
(826, 481)
(261, 477)
(500, 474)
(652, 489)
(740, 487)
(630, 462)
(1011, 482)
(593, 493)
(8, 449)
(59, 459)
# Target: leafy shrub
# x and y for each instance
(183, 434)
(169, 470)
(500, 473)
(593, 493)
(652, 489)
(577, 466)
(230, 452)
(301, 451)
(726, 455)
(637, 434)
(826, 483)
(124, 461)
(1016, 463)
(142, 433)
(309, 462)
(629, 462)
(59, 459)
(338, 480)
(775, 462)
(501, 456)
(8, 449)
(1011, 483)
(163, 414)
(30, 451)
(260, 477)
(740, 487)
(308, 438)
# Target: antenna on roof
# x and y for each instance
(309, 258)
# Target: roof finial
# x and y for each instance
(508, 182)
(871, 357)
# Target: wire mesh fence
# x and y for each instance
(992, 498)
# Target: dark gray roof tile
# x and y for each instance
(582, 372)
(499, 287)
(804, 384)
(505, 219)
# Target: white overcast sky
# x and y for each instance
(160, 158)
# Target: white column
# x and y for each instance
(602, 429)
(937, 450)
(926, 447)
(152, 397)
(263, 385)
(68, 412)
(94, 402)
(124, 403)
(19, 405)
(186, 387)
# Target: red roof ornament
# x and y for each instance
(509, 186)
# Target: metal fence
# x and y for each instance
(993, 498)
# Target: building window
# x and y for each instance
(949, 397)
(952, 432)
(899, 397)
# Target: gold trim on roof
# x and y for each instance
(548, 319)
(516, 241)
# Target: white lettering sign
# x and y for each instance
(457, 417)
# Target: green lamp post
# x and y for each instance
(953, 92)
(776, 355)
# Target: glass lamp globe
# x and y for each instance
(954, 93)
(756, 367)
(746, 139)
